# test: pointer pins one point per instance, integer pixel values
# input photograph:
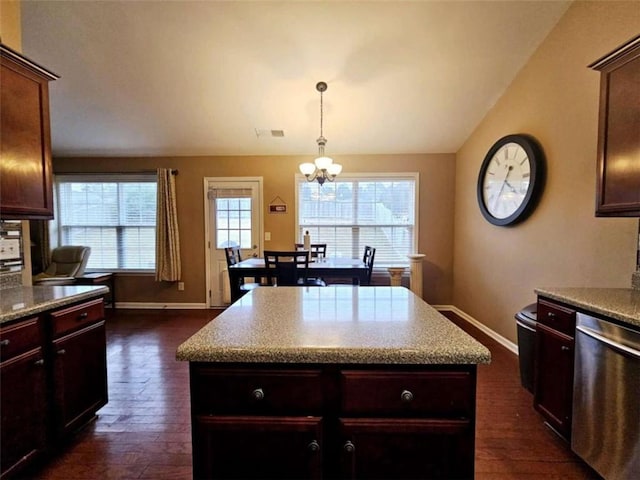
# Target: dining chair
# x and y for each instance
(233, 257)
(317, 250)
(290, 268)
(367, 259)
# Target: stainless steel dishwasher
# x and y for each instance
(606, 398)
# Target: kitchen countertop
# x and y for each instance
(338, 324)
(618, 303)
(23, 301)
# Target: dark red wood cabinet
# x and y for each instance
(23, 399)
(53, 380)
(330, 421)
(25, 144)
(618, 174)
(553, 385)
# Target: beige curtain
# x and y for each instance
(167, 238)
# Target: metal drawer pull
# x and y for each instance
(39, 363)
(5, 342)
(564, 348)
(62, 352)
(406, 396)
(258, 394)
(83, 316)
(349, 447)
(314, 446)
(551, 315)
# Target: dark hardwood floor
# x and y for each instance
(144, 430)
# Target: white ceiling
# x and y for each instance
(197, 78)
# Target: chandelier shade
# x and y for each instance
(322, 169)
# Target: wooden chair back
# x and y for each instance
(317, 250)
(368, 258)
(290, 268)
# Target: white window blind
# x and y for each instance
(233, 216)
(359, 210)
(115, 215)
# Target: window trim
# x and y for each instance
(363, 176)
(55, 232)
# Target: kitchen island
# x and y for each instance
(335, 382)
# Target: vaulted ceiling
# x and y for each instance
(202, 77)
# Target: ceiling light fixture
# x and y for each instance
(323, 168)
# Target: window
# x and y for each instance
(233, 216)
(115, 215)
(359, 210)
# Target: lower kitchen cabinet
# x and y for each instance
(53, 380)
(324, 421)
(23, 398)
(553, 386)
(409, 449)
(246, 447)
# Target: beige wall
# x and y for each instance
(10, 28)
(555, 99)
(437, 178)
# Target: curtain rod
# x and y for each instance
(174, 171)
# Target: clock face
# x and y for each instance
(510, 179)
(506, 180)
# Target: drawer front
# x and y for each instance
(267, 392)
(19, 337)
(77, 316)
(557, 317)
(378, 393)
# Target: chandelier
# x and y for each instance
(323, 168)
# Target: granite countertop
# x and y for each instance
(19, 302)
(338, 324)
(618, 303)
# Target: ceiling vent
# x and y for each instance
(263, 132)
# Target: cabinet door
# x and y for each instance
(407, 449)
(80, 376)
(23, 407)
(553, 390)
(257, 447)
(25, 145)
(618, 177)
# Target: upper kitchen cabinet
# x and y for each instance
(25, 140)
(618, 193)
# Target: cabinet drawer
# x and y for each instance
(265, 392)
(77, 316)
(20, 337)
(562, 319)
(408, 393)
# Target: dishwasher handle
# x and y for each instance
(614, 345)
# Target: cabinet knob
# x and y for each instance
(61, 351)
(39, 363)
(406, 396)
(257, 394)
(349, 447)
(83, 316)
(314, 446)
(4, 342)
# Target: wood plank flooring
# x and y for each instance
(144, 430)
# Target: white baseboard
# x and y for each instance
(162, 306)
(508, 344)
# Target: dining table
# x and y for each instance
(327, 267)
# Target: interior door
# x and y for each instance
(233, 209)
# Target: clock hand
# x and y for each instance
(504, 182)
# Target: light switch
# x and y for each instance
(267, 236)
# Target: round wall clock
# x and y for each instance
(511, 179)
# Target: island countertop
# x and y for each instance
(338, 324)
(622, 304)
(20, 302)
